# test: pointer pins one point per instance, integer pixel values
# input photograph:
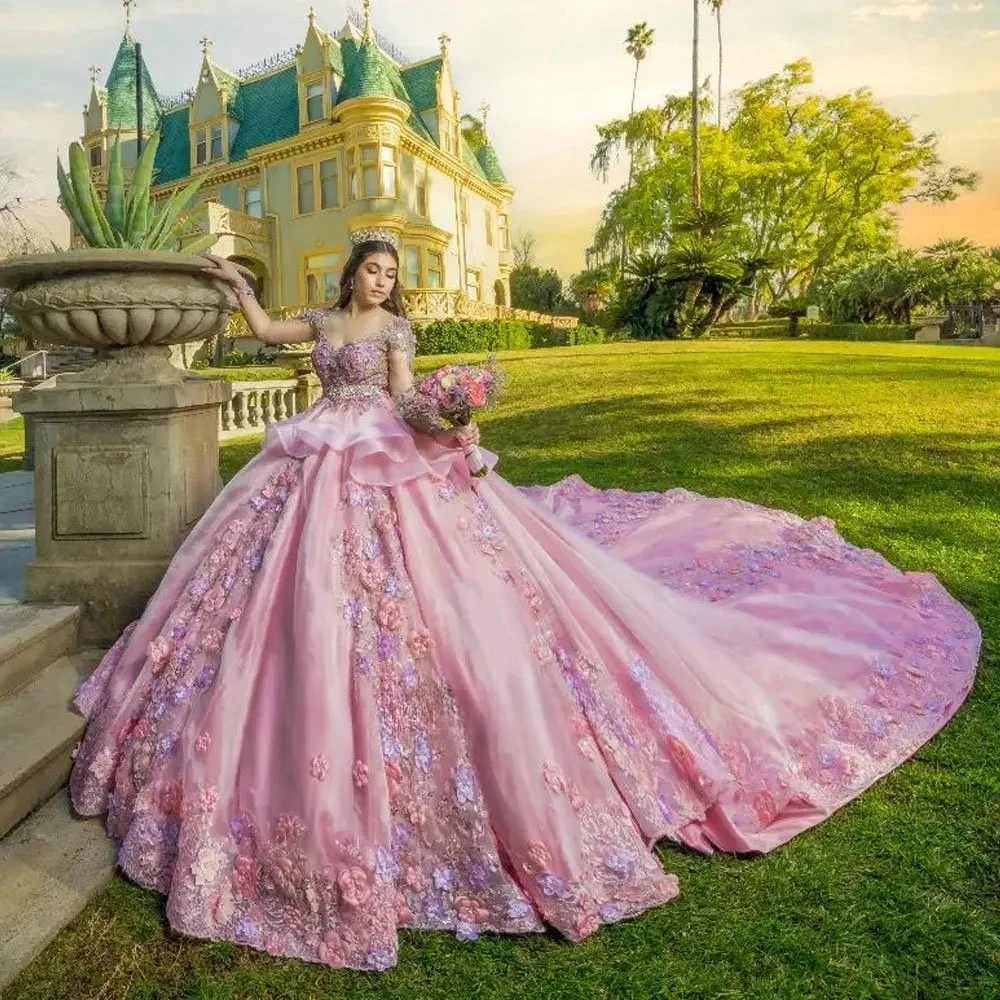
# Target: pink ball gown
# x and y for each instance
(373, 692)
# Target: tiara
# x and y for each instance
(375, 236)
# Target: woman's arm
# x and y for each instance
(265, 329)
(414, 408)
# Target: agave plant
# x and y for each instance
(129, 219)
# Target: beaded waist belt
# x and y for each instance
(342, 393)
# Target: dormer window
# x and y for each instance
(315, 110)
(209, 144)
(216, 142)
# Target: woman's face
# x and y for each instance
(374, 279)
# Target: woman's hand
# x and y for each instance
(224, 270)
(459, 437)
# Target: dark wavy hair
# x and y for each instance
(394, 303)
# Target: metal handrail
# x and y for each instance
(28, 357)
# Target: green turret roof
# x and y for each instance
(365, 73)
(121, 91)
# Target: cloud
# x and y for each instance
(915, 10)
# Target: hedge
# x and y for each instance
(252, 373)
(857, 331)
(769, 329)
(451, 336)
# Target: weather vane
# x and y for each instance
(206, 46)
(444, 40)
(95, 72)
(367, 6)
(128, 5)
(484, 111)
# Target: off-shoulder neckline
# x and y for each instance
(382, 333)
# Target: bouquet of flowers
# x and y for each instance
(456, 392)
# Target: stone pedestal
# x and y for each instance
(929, 331)
(126, 461)
(991, 335)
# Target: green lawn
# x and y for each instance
(895, 897)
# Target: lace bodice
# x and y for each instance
(359, 368)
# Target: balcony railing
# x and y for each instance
(246, 231)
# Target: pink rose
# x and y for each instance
(553, 776)
(370, 576)
(394, 778)
(471, 910)
(537, 857)
(159, 652)
(354, 888)
(416, 813)
(246, 877)
(170, 797)
(385, 519)
(214, 599)
(319, 767)
(208, 799)
(389, 614)
(332, 950)
(765, 807)
(413, 878)
(585, 924)
(211, 641)
(360, 774)
(420, 642)
(289, 829)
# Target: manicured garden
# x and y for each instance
(894, 897)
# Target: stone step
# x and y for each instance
(51, 866)
(38, 731)
(31, 638)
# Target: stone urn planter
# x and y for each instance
(130, 306)
(126, 452)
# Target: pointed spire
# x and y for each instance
(367, 36)
(129, 6)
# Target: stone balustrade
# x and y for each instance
(254, 405)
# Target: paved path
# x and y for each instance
(17, 533)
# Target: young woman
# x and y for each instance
(373, 692)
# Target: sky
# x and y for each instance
(549, 75)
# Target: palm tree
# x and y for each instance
(716, 6)
(637, 44)
(695, 116)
